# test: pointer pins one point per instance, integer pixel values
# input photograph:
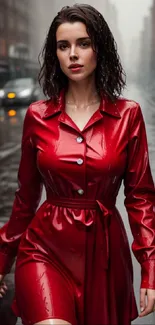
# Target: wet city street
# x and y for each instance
(10, 138)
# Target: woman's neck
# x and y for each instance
(81, 94)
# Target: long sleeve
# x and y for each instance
(140, 198)
(26, 200)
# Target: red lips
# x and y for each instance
(72, 66)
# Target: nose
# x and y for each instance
(73, 53)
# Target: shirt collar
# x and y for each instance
(53, 108)
(106, 106)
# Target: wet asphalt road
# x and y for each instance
(10, 137)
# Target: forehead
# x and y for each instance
(68, 31)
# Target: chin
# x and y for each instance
(78, 78)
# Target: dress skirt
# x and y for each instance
(74, 264)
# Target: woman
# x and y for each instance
(73, 260)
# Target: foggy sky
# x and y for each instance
(130, 16)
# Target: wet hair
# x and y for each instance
(110, 76)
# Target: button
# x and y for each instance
(80, 161)
(81, 191)
(79, 139)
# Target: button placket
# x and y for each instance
(80, 161)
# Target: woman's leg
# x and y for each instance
(44, 295)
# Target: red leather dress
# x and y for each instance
(73, 258)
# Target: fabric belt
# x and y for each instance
(105, 214)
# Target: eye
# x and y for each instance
(85, 44)
(62, 47)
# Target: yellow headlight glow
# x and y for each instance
(12, 112)
(11, 95)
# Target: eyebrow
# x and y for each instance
(78, 39)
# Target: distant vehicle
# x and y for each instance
(19, 92)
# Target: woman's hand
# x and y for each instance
(3, 286)
(147, 301)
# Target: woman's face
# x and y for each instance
(74, 51)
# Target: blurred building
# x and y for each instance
(40, 13)
(15, 54)
(152, 44)
(145, 52)
(133, 66)
(142, 52)
(146, 69)
(112, 17)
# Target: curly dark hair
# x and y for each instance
(110, 76)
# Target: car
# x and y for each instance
(19, 92)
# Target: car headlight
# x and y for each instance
(25, 93)
(2, 93)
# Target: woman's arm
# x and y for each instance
(26, 200)
(140, 198)
(139, 202)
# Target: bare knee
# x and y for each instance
(53, 322)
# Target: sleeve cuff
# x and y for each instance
(6, 262)
(148, 274)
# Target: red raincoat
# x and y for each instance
(73, 258)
